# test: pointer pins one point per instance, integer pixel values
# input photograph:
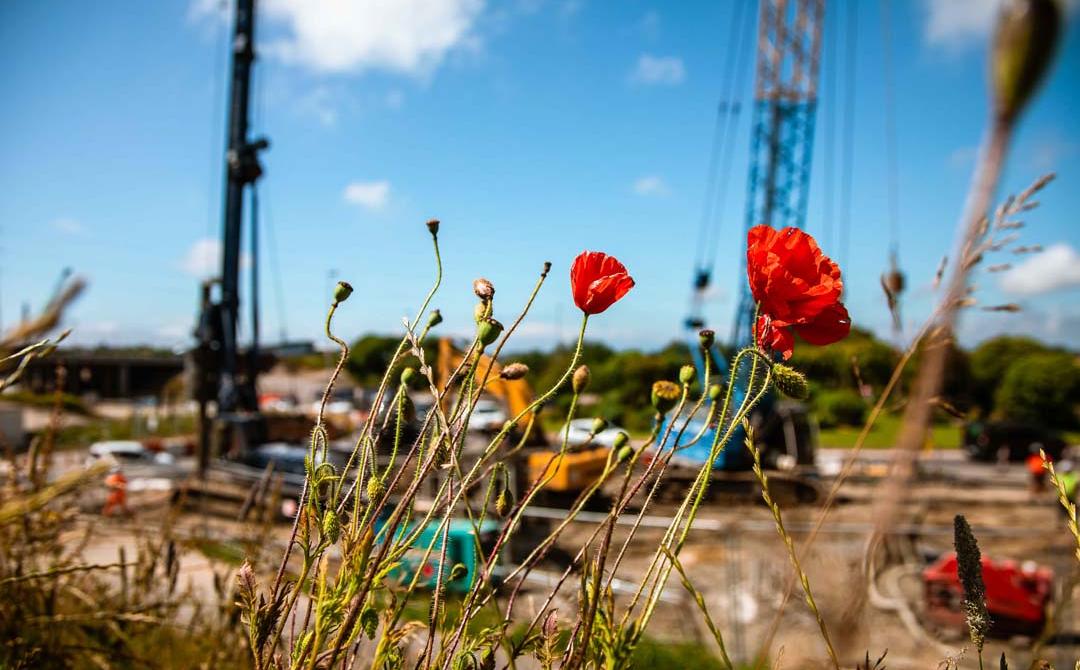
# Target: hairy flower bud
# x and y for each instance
(434, 319)
(488, 331)
(687, 373)
(598, 424)
(665, 395)
(514, 371)
(790, 381)
(325, 471)
(707, 338)
(621, 440)
(580, 380)
(550, 627)
(715, 391)
(342, 291)
(483, 289)
(1024, 43)
(481, 311)
(433, 227)
(407, 375)
(374, 488)
(624, 453)
(501, 503)
(331, 528)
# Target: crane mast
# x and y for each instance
(784, 110)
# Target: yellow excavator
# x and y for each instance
(569, 475)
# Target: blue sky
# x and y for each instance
(532, 128)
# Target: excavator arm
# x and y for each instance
(516, 395)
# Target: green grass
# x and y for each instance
(884, 433)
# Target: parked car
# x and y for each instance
(579, 434)
(983, 440)
(128, 451)
(487, 415)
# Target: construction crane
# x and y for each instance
(220, 370)
(781, 147)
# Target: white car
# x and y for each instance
(487, 415)
(128, 451)
(579, 434)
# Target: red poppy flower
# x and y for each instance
(797, 287)
(598, 281)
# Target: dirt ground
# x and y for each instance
(735, 558)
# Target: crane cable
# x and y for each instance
(738, 93)
(829, 185)
(892, 280)
(719, 165)
(848, 149)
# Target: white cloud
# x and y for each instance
(68, 225)
(667, 70)
(203, 258)
(958, 23)
(651, 185)
(1058, 267)
(369, 194)
(406, 36)
(319, 103)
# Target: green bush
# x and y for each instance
(839, 407)
(991, 360)
(1040, 388)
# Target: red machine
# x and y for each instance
(1016, 596)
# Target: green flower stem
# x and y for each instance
(763, 479)
(698, 490)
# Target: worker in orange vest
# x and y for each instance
(1035, 468)
(116, 499)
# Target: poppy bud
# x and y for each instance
(488, 331)
(331, 528)
(598, 424)
(621, 439)
(514, 371)
(483, 289)
(580, 381)
(433, 227)
(374, 488)
(1024, 43)
(665, 395)
(325, 471)
(790, 381)
(550, 628)
(406, 376)
(435, 319)
(715, 391)
(707, 338)
(342, 291)
(481, 311)
(547, 268)
(624, 453)
(687, 373)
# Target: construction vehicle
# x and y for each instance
(564, 477)
(463, 548)
(1017, 597)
